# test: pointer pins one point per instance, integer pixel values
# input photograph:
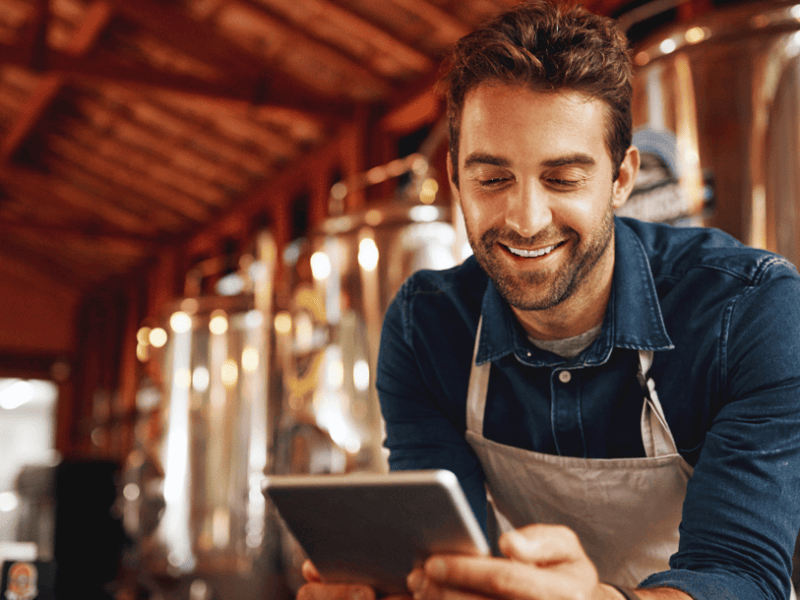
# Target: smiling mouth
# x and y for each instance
(532, 253)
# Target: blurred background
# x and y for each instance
(206, 207)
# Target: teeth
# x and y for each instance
(531, 253)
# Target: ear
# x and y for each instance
(454, 191)
(628, 171)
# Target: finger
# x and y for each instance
(488, 576)
(542, 545)
(501, 578)
(328, 591)
(309, 571)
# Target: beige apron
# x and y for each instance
(626, 511)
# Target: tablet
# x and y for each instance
(375, 528)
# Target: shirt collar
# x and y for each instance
(633, 317)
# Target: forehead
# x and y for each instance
(522, 124)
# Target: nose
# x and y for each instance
(527, 209)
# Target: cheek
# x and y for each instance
(477, 215)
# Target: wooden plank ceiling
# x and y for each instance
(127, 124)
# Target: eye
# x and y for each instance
(494, 181)
(564, 182)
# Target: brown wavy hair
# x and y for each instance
(545, 46)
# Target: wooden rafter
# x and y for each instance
(97, 17)
(59, 271)
(44, 190)
(355, 65)
(455, 28)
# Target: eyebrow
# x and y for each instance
(480, 158)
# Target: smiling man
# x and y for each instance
(619, 400)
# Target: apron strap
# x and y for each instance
(477, 390)
(656, 435)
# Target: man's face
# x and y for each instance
(535, 185)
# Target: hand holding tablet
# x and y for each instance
(374, 529)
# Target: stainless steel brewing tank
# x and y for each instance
(202, 501)
(345, 274)
(717, 101)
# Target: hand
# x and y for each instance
(315, 589)
(547, 562)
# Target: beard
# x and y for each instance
(542, 289)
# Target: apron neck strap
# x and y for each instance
(656, 435)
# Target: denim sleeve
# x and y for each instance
(419, 432)
(742, 510)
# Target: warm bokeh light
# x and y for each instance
(182, 379)
(249, 359)
(283, 323)
(229, 373)
(335, 373)
(143, 352)
(694, 35)
(320, 266)
(339, 191)
(131, 492)
(253, 319)
(200, 379)
(218, 323)
(424, 214)
(668, 46)
(303, 331)
(180, 322)
(361, 375)
(428, 190)
(158, 337)
(143, 335)
(368, 254)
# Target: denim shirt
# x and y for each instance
(723, 321)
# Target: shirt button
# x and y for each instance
(564, 376)
(528, 353)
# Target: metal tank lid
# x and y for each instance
(392, 212)
(721, 25)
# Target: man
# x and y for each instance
(626, 396)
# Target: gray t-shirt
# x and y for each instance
(568, 347)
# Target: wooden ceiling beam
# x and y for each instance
(126, 178)
(273, 89)
(434, 15)
(32, 258)
(358, 66)
(206, 43)
(411, 41)
(144, 243)
(95, 21)
(30, 116)
(37, 187)
(202, 41)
